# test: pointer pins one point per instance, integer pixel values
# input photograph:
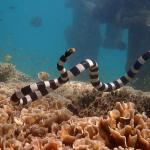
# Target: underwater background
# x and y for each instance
(35, 33)
(83, 114)
(37, 48)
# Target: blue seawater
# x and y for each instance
(38, 48)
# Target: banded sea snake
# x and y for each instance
(35, 91)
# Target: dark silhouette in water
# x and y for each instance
(107, 11)
(84, 34)
(88, 15)
(36, 21)
(139, 42)
(135, 15)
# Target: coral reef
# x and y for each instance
(52, 124)
(121, 127)
(88, 102)
(8, 73)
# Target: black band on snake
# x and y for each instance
(37, 90)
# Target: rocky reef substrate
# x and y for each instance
(76, 117)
